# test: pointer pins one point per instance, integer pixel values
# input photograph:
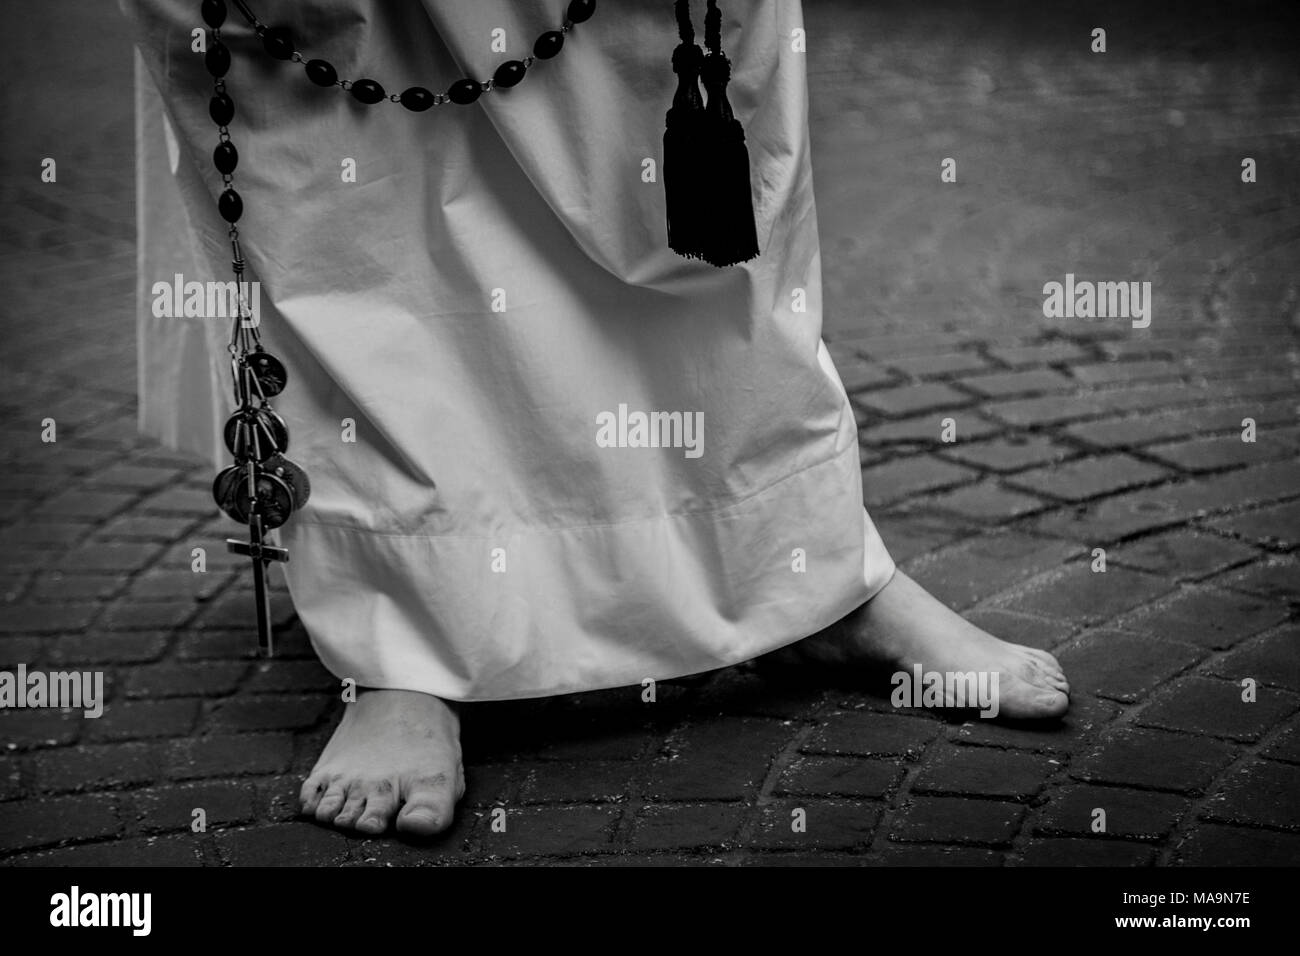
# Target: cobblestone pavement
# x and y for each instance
(1072, 435)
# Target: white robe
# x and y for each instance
(476, 542)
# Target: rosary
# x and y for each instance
(710, 217)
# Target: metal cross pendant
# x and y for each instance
(261, 553)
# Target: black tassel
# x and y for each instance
(706, 175)
(684, 145)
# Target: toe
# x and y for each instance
(428, 806)
(332, 802)
(313, 788)
(1053, 704)
(381, 806)
(352, 806)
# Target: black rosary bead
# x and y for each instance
(278, 43)
(464, 92)
(217, 59)
(367, 91)
(581, 10)
(417, 99)
(230, 205)
(214, 12)
(222, 109)
(508, 74)
(321, 73)
(225, 157)
(548, 44)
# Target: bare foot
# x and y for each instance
(394, 755)
(904, 625)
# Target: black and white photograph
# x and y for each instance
(651, 433)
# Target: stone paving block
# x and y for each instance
(981, 567)
(1273, 660)
(47, 821)
(39, 728)
(1286, 746)
(171, 807)
(955, 820)
(1153, 759)
(987, 502)
(1262, 793)
(142, 719)
(126, 647)
(920, 854)
(1211, 845)
(1085, 852)
(1205, 617)
(913, 399)
(937, 364)
(984, 772)
(726, 759)
(551, 831)
(1109, 373)
(1215, 708)
(283, 844)
(1183, 553)
(47, 618)
(589, 781)
(128, 615)
(96, 766)
(266, 712)
(108, 556)
(1087, 478)
(858, 375)
(926, 432)
(1276, 579)
(1002, 384)
(677, 826)
(1045, 410)
(1132, 814)
(1123, 666)
(54, 586)
(284, 675)
(1214, 453)
(1067, 734)
(827, 825)
(205, 679)
(134, 851)
(1007, 454)
(872, 735)
(1276, 525)
(1079, 594)
(906, 477)
(839, 777)
(229, 755)
(1046, 353)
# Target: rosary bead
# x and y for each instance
(321, 73)
(548, 44)
(225, 157)
(581, 10)
(222, 109)
(417, 99)
(464, 91)
(508, 74)
(214, 12)
(367, 91)
(278, 43)
(230, 206)
(217, 59)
